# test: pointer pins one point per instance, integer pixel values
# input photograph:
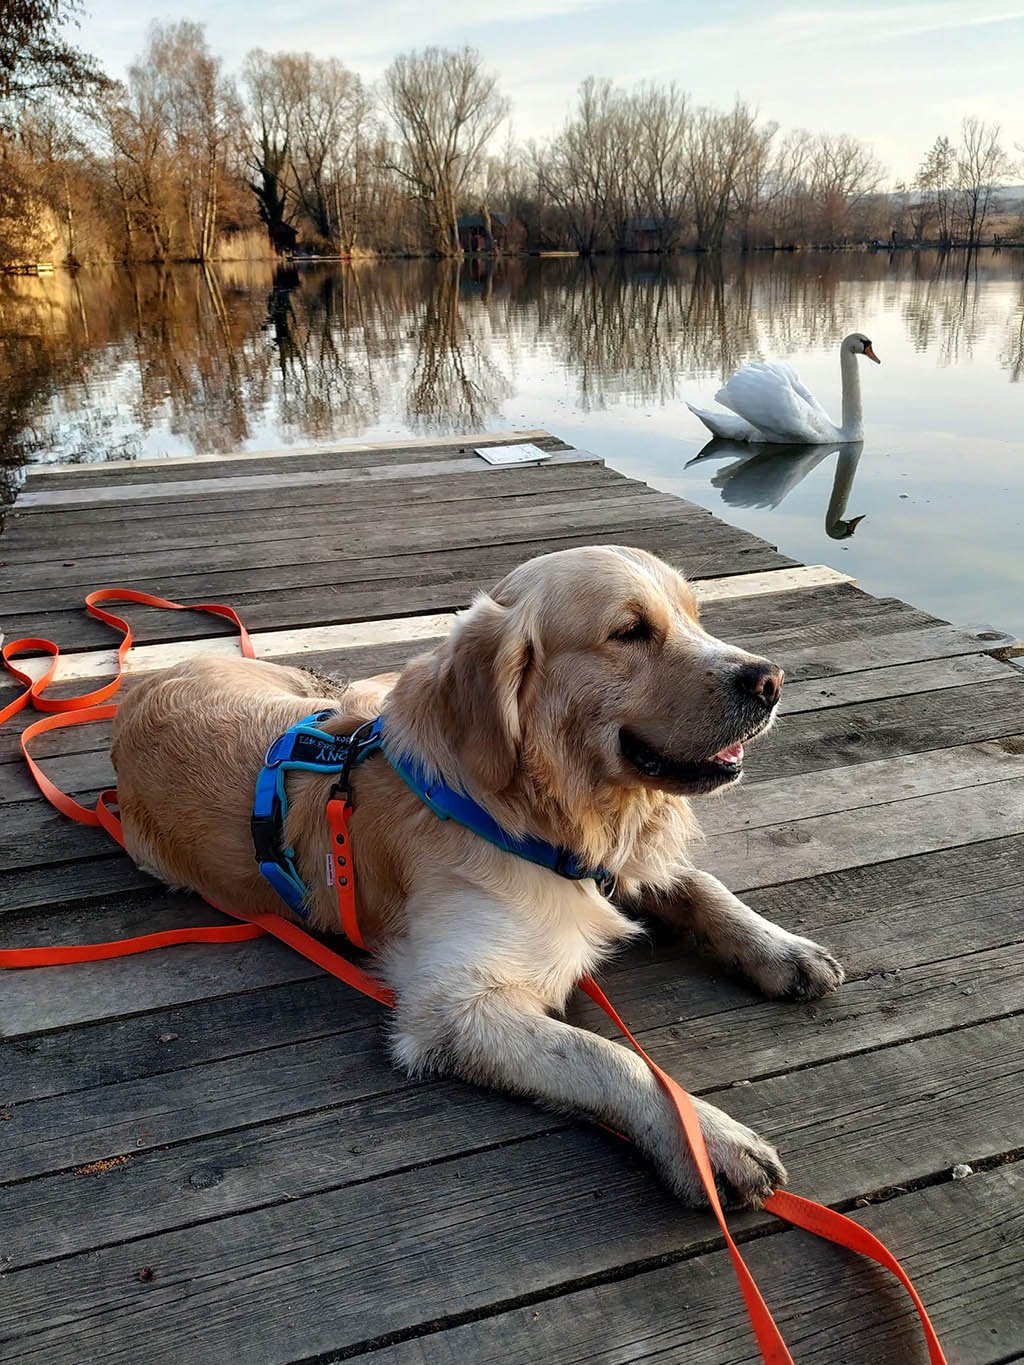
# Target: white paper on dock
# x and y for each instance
(520, 454)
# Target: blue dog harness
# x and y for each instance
(305, 747)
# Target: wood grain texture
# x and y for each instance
(489, 1226)
(960, 1242)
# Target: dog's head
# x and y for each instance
(589, 669)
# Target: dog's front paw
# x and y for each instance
(747, 1169)
(795, 968)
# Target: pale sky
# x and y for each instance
(895, 74)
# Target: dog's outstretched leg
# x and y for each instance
(780, 963)
(456, 1016)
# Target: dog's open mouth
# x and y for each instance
(697, 776)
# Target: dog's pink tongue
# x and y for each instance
(733, 754)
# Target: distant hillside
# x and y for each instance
(1005, 199)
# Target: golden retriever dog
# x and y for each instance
(580, 702)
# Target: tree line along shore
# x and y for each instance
(297, 155)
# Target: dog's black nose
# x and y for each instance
(762, 681)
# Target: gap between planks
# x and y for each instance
(276, 644)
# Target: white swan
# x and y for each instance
(767, 403)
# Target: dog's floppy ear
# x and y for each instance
(490, 653)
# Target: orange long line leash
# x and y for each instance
(89, 707)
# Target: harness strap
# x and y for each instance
(305, 747)
(803, 1213)
(448, 803)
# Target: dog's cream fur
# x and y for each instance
(528, 705)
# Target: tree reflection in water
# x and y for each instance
(114, 363)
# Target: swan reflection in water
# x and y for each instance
(765, 477)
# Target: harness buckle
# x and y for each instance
(265, 836)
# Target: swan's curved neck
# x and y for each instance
(853, 418)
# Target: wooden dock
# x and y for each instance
(206, 1155)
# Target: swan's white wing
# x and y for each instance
(788, 373)
(764, 396)
(726, 424)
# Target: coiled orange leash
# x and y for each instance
(88, 707)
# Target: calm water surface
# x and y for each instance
(116, 364)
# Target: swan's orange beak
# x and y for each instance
(870, 353)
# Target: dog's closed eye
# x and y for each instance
(633, 632)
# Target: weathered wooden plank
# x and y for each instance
(978, 712)
(956, 900)
(356, 660)
(961, 1231)
(831, 614)
(222, 541)
(355, 468)
(346, 1141)
(789, 850)
(494, 1220)
(437, 494)
(263, 512)
(33, 834)
(292, 645)
(61, 883)
(895, 681)
(334, 558)
(59, 475)
(838, 612)
(846, 735)
(824, 645)
(220, 1096)
(241, 524)
(406, 585)
(748, 1039)
(905, 647)
(93, 737)
(125, 903)
(863, 784)
(130, 1047)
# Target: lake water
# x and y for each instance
(115, 364)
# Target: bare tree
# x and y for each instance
(54, 148)
(751, 183)
(203, 114)
(656, 160)
(35, 57)
(328, 126)
(935, 178)
(785, 190)
(267, 145)
(843, 173)
(982, 165)
(584, 171)
(133, 121)
(445, 108)
(719, 147)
